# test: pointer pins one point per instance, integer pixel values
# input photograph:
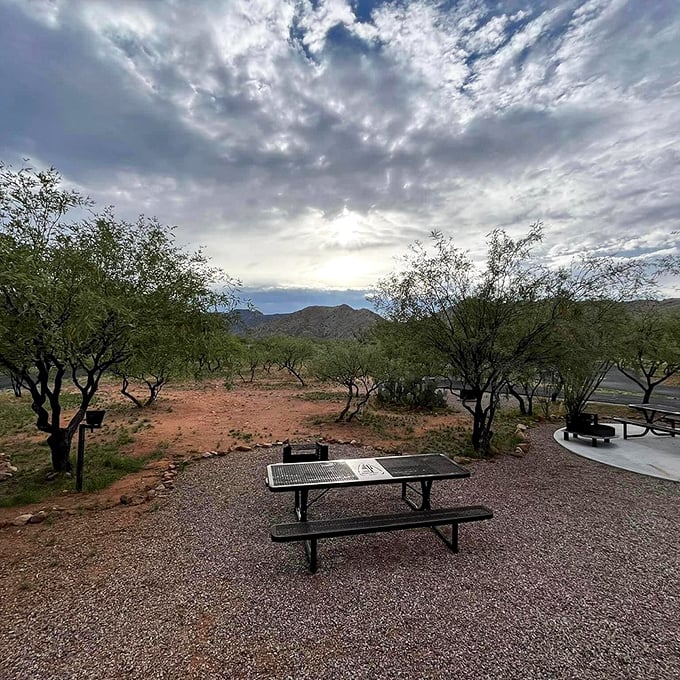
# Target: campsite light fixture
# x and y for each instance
(93, 421)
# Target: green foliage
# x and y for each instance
(453, 441)
(648, 346)
(410, 368)
(236, 433)
(104, 465)
(78, 299)
(105, 460)
(413, 392)
(360, 367)
(15, 414)
(251, 356)
(586, 350)
(322, 396)
(287, 353)
(497, 321)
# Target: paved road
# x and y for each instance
(616, 388)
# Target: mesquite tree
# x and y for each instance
(648, 348)
(72, 295)
(359, 367)
(498, 320)
(184, 331)
(289, 353)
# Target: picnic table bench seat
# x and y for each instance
(311, 531)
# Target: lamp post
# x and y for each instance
(93, 421)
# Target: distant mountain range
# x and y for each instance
(311, 322)
(338, 322)
(667, 305)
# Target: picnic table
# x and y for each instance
(423, 469)
(659, 419)
(654, 412)
(415, 473)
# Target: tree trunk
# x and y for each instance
(16, 384)
(350, 395)
(292, 371)
(478, 426)
(129, 395)
(556, 391)
(519, 398)
(60, 448)
(647, 394)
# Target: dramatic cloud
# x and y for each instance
(306, 143)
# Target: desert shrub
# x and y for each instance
(412, 392)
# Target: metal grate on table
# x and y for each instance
(312, 473)
(413, 466)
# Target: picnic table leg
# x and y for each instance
(450, 541)
(311, 554)
(301, 503)
(424, 493)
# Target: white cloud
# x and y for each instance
(325, 134)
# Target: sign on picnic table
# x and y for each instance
(368, 468)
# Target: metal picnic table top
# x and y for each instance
(361, 471)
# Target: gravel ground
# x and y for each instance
(577, 576)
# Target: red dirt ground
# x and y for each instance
(188, 421)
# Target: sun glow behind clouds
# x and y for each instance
(345, 230)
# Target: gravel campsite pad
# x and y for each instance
(576, 576)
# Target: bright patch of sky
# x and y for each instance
(306, 143)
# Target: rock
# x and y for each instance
(517, 453)
(221, 453)
(243, 447)
(354, 442)
(13, 468)
(524, 446)
(21, 520)
(207, 454)
(125, 500)
(462, 460)
(38, 517)
(521, 427)
(5, 475)
(160, 487)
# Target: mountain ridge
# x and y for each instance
(315, 321)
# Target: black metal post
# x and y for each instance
(93, 421)
(81, 457)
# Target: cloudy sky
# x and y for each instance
(305, 144)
